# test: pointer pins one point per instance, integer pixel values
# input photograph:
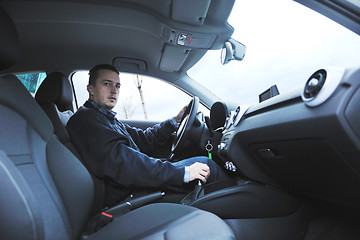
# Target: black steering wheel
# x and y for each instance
(185, 125)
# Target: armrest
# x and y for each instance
(99, 221)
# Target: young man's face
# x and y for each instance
(106, 89)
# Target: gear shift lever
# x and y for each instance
(199, 190)
(197, 193)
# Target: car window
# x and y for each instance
(286, 42)
(32, 81)
(141, 97)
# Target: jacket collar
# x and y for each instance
(109, 113)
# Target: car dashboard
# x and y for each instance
(306, 142)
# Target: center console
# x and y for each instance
(244, 199)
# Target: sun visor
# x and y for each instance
(129, 64)
(190, 11)
(173, 58)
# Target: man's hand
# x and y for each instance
(199, 171)
(179, 116)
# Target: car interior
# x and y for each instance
(293, 158)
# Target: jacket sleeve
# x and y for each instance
(150, 139)
(106, 153)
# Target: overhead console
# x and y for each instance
(186, 38)
(197, 26)
(179, 44)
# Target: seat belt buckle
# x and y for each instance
(103, 220)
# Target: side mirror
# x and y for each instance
(232, 50)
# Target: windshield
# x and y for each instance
(286, 42)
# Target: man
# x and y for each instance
(117, 153)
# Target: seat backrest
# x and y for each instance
(50, 169)
(55, 96)
(34, 161)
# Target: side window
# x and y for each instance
(32, 81)
(140, 98)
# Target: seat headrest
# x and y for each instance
(9, 41)
(56, 89)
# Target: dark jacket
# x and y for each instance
(116, 152)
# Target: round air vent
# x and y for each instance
(314, 84)
(321, 85)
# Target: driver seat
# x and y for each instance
(55, 96)
(47, 193)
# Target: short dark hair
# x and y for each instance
(94, 72)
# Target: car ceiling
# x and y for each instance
(137, 36)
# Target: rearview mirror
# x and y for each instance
(232, 50)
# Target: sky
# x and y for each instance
(285, 42)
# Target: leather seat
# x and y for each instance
(46, 193)
(55, 96)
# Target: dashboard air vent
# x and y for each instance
(321, 85)
(314, 84)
